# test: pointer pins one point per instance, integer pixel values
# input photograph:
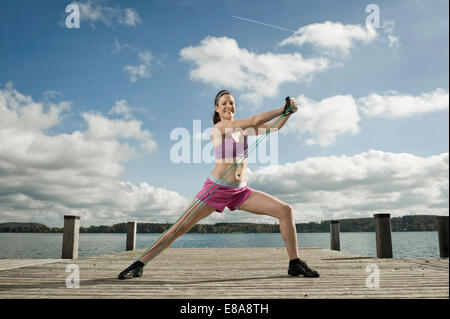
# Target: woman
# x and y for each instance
(229, 139)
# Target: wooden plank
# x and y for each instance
(230, 273)
(18, 263)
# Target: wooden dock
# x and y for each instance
(214, 273)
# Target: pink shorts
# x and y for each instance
(223, 196)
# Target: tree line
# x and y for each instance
(404, 223)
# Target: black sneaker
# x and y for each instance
(136, 269)
(299, 267)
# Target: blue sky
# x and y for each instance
(83, 71)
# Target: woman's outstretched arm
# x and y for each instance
(262, 128)
(250, 122)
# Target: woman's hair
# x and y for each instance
(216, 116)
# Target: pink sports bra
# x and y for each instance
(230, 148)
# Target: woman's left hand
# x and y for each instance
(292, 107)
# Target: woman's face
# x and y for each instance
(225, 107)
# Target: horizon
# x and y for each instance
(274, 223)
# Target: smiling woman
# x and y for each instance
(232, 190)
(216, 116)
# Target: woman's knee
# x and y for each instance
(286, 212)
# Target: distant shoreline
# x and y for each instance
(233, 233)
(398, 224)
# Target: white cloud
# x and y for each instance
(21, 111)
(142, 70)
(122, 108)
(129, 17)
(120, 46)
(51, 94)
(321, 122)
(395, 105)
(393, 41)
(388, 28)
(220, 62)
(324, 120)
(331, 37)
(332, 187)
(101, 128)
(43, 177)
(146, 61)
(94, 11)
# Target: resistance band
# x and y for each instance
(234, 166)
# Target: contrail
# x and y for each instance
(269, 25)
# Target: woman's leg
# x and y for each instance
(262, 203)
(191, 217)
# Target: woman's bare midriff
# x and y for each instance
(235, 174)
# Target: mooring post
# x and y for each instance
(383, 235)
(442, 227)
(131, 235)
(334, 235)
(70, 237)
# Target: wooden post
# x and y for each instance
(334, 235)
(383, 235)
(442, 227)
(70, 237)
(131, 235)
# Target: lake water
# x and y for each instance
(43, 245)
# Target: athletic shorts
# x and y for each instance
(228, 194)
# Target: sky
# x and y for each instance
(91, 117)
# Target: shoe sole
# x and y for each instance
(138, 274)
(291, 273)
